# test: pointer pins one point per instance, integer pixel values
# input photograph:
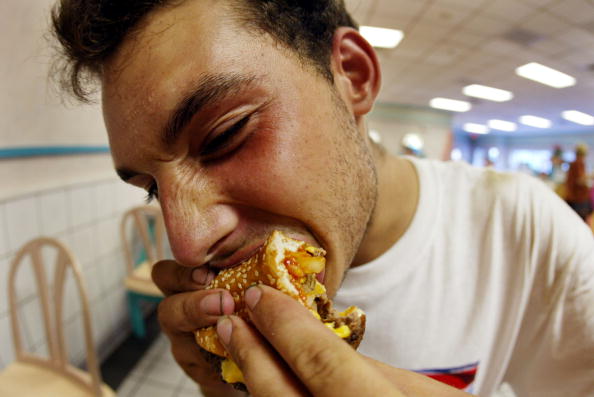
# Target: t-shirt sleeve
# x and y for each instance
(554, 353)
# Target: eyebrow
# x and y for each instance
(209, 89)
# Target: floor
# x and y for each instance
(157, 375)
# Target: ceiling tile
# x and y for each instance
(552, 47)
(574, 11)
(445, 54)
(434, 33)
(400, 21)
(499, 46)
(445, 15)
(545, 24)
(401, 7)
(577, 37)
(466, 37)
(359, 9)
(465, 3)
(488, 25)
(511, 11)
(581, 59)
(411, 48)
(539, 3)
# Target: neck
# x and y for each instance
(398, 195)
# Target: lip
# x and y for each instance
(304, 237)
(236, 258)
(321, 276)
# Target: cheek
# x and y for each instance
(272, 173)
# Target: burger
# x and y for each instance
(289, 266)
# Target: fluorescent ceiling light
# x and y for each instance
(476, 128)
(534, 121)
(545, 75)
(578, 117)
(502, 125)
(489, 93)
(381, 37)
(450, 104)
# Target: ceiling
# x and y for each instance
(452, 43)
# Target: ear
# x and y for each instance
(356, 69)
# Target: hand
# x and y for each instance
(186, 308)
(290, 353)
(287, 352)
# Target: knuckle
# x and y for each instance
(171, 277)
(159, 276)
(318, 362)
(181, 275)
(163, 314)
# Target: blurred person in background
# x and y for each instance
(245, 116)
(577, 185)
(557, 176)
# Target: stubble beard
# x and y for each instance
(360, 159)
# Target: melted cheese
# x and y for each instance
(231, 372)
(342, 332)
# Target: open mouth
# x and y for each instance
(236, 258)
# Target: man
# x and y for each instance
(245, 116)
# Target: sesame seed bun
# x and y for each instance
(290, 266)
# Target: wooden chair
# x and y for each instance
(145, 222)
(33, 375)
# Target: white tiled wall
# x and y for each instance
(86, 218)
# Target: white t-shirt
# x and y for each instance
(493, 278)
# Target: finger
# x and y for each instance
(171, 277)
(189, 311)
(324, 363)
(264, 371)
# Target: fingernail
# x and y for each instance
(202, 276)
(212, 304)
(252, 296)
(224, 329)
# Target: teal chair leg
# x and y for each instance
(136, 316)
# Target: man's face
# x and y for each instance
(239, 137)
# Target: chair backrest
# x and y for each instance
(52, 308)
(152, 242)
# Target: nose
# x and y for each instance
(195, 218)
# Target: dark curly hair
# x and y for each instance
(90, 31)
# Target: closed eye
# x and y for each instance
(225, 142)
